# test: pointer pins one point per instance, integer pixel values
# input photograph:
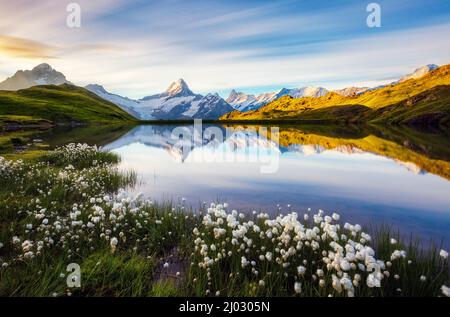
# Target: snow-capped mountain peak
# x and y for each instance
(240, 100)
(351, 91)
(244, 102)
(419, 72)
(42, 74)
(179, 88)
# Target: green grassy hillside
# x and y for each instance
(431, 107)
(417, 101)
(57, 105)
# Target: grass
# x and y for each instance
(69, 206)
(64, 104)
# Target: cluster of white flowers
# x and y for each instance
(102, 221)
(308, 251)
(9, 169)
(74, 152)
(323, 250)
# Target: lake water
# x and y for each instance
(370, 176)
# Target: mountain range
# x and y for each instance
(177, 102)
(243, 102)
(420, 98)
(180, 102)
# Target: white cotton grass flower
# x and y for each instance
(301, 270)
(335, 216)
(398, 254)
(443, 254)
(445, 290)
(373, 280)
(297, 287)
(166, 265)
(393, 241)
(423, 278)
(113, 244)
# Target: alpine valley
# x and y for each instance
(415, 98)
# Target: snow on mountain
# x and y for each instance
(42, 74)
(307, 92)
(240, 101)
(351, 91)
(212, 106)
(243, 102)
(419, 72)
(171, 104)
(125, 103)
(179, 88)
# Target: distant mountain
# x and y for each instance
(351, 91)
(179, 102)
(419, 72)
(125, 103)
(243, 102)
(212, 106)
(307, 92)
(42, 74)
(240, 100)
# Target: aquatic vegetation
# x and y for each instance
(71, 207)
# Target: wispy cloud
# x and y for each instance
(19, 47)
(137, 47)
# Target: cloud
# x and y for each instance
(25, 48)
(137, 48)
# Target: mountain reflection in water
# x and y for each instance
(365, 176)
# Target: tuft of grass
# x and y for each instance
(122, 274)
(165, 289)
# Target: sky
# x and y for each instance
(137, 48)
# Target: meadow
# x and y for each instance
(71, 205)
